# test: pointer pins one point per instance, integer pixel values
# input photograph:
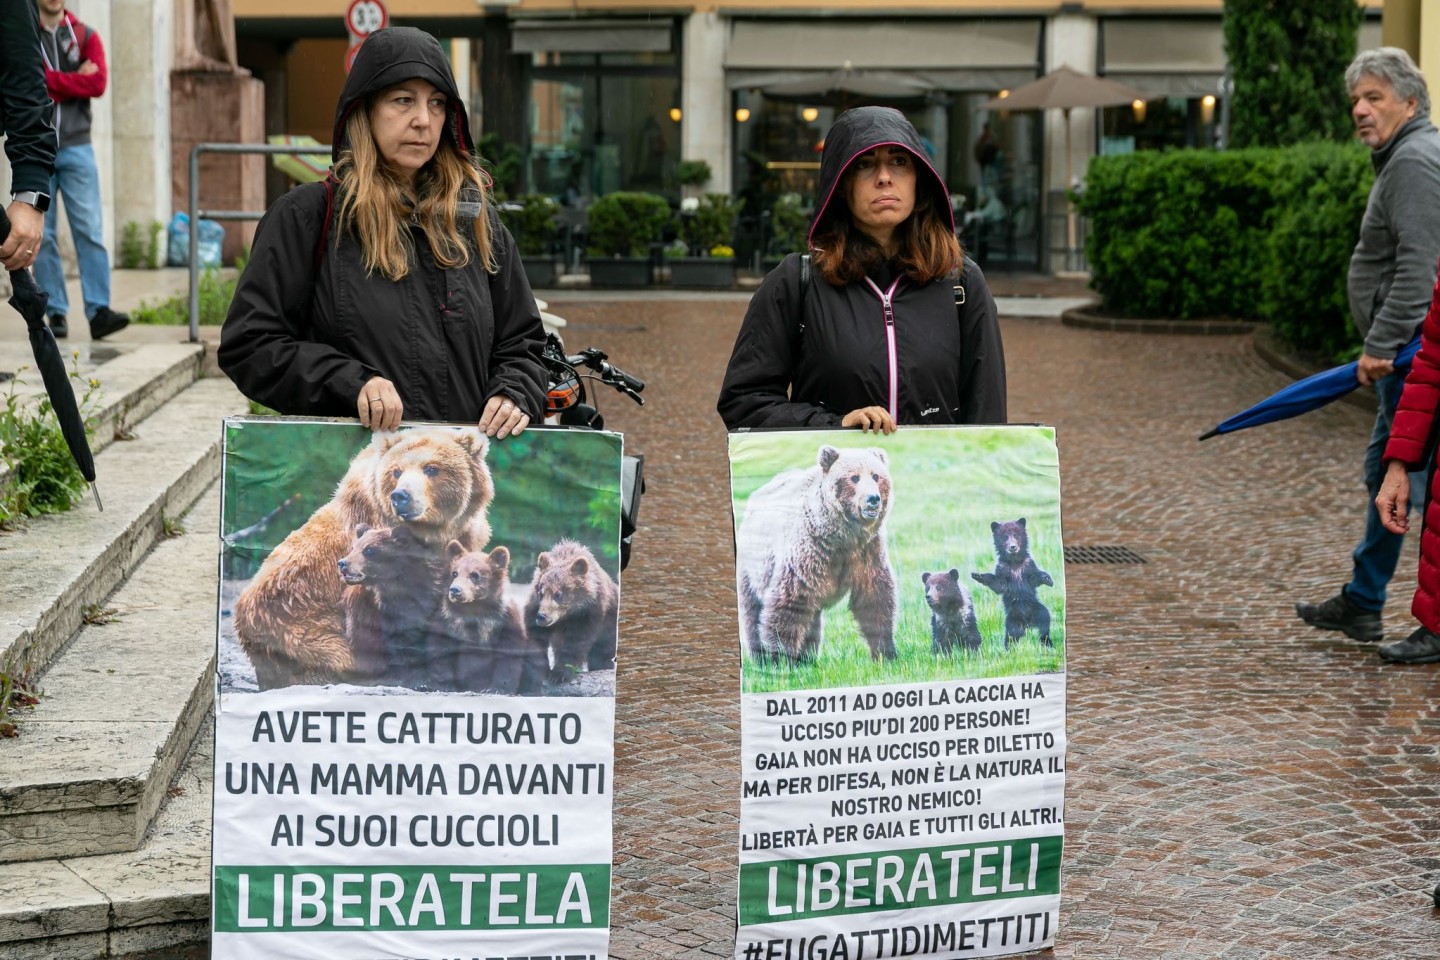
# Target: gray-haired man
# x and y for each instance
(1392, 275)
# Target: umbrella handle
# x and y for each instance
(4, 226)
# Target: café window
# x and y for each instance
(604, 108)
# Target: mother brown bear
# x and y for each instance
(808, 538)
(434, 480)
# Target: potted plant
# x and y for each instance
(622, 228)
(530, 217)
(788, 225)
(706, 225)
(692, 175)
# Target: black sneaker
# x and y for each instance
(106, 322)
(1422, 646)
(58, 326)
(1338, 613)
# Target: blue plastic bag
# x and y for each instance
(212, 239)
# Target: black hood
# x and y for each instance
(391, 56)
(860, 131)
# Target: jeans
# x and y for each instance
(1379, 550)
(78, 181)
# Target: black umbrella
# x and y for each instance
(30, 300)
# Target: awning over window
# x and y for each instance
(589, 36)
(1167, 58)
(943, 54)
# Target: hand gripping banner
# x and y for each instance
(902, 635)
(415, 715)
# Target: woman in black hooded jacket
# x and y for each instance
(392, 289)
(893, 325)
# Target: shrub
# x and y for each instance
(140, 246)
(709, 223)
(1262, 234)
(692, 173)
(533, 224)
(625, 224)
(789, 225)
(217, 289)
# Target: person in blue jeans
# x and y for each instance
(1390, 281)
(74, 75)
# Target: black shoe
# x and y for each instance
(58, 326)
(106, 322)
(1338, 613)
(1422, 646)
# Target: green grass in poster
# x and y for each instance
(948, 486)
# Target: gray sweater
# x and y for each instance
(1392, 271)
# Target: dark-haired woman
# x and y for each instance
(393, 290)
(893, 325)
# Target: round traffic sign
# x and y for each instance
(350, 55)
(364, 17)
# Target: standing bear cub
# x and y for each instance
(573, 610)
(810, 537)
(952, 614)
(488, 648)
(1016, 578)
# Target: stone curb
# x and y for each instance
(121, 708)
(1088, 320)
(52, 569)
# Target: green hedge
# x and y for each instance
(1262, 234)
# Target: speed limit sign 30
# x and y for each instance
(364, 17)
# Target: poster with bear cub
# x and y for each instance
(416, 672)
(901, 610)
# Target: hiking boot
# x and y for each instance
(1338, 613)
(58, 326)
(1422, 646)
(106, 322)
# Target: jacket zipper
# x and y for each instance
(887, 305)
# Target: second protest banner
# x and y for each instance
(902, 628)
(415, 720)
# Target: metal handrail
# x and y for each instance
(196, 214)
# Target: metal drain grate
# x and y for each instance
(1102, 555)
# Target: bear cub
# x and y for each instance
(573, 610)
(952, 614)
(392, 592)
(1016, 579)
(487, 646)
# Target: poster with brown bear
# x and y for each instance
(415, 715)
(901, 626)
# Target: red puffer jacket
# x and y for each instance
(1411, 441)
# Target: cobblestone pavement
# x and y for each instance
(1240, 785)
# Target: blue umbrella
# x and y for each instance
(1302, 396)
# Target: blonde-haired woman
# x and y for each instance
(391, 290)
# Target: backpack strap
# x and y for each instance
(804, 290)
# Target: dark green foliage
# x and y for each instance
(533, 225)
(1320, 195)
(711, 224)
(1288, 61)
(42, 475)
(1260, 234)
(625, 224)
(692, 173)
(789, 224)
(503, 161)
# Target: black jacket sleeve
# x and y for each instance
(756, 389)
(263, 344)
(516, 369)
(982, 377)
(26, 114)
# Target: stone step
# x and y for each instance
(150, 903)
(56, 568)
(134, 382)
(120, 709)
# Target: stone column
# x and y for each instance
(704, 98)
(140, 48)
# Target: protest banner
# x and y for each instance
(415, 714)
(902, 630)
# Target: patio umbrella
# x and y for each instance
(30, 300)
(1065, 89)
(847, 80)
(1302, 396)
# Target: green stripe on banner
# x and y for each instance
(459, 897)
(889, 880)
